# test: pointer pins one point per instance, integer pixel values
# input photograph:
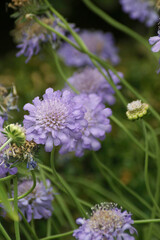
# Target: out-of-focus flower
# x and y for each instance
(38, 204)
(16, 132)
(155, 41)
(136, 109)
(18, 3)
(30, 36)
(143, 10)
(106, 222)
(53, 120)
(4, 169)
(97, 126)
(99, 43)
(90, 80)
(8, 101)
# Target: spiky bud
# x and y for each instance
(16, 132)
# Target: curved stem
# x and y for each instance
(119, 123)
(16, 223)
(29, 191)
(28, 227)
(117, 180)
(6, 143)
(4, 233)
(65, 185)
(58, 236)
(7, 178)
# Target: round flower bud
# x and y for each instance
(16, 132)
(136, 110)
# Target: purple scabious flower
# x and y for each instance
(33, 35)
(97, 126)
(90, 80)
(106, 222)
(155, 41)
(53, 120)
(38, 204)
(141, 10)
(99, 43)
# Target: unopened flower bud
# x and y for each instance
(16, 132)
(136, 110)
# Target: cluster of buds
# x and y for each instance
(8, 100)
(136, 109)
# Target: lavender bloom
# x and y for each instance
(90, 80)
(99, 43)
(106, 222)
(38, 204)
(98, 124)
(141, 10)
(33, 35)
(53, 120)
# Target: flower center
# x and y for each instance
(135, 105)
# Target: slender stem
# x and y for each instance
(104, 167)
(5, 144)
(61, 72)
(116, 24)
(16, 223)
(58, 236)
(49, 227)
(7, 178)
(146, 168)
(4, 233)
(65, 185)
(146, 221)
(120, 124)
(28, 227)
(29, 191)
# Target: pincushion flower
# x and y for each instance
(53, 120)
(38, 204)
(99, 43)
(90, 80)
(97, 126)
(143, 10)
(107, 222)
(30, 36)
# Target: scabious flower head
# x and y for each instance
(30, 36)
(98, 124)
(143, 10)
(53, 120)
(106, 222)
(38, 204)
(136, 109)
(99, 43)
(16, 132)
(90, 80)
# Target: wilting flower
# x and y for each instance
(136, 109)
(38, 204)
(98, 125)
(31, 35)
(90, 80)
(99, 43)
(143, 10)
(53, 120)
(106, 222)
(8, 101)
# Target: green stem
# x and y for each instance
(61, 72)
(4, 233)
(146, 168)
(146, 221)
(28, 227)
(7, 178)
(49, 227)
(65, 185)
(29, 191)
(16, 223)
(5, 144)
(116, 24)
(101, 165)
(58, 236)
(130, 135)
